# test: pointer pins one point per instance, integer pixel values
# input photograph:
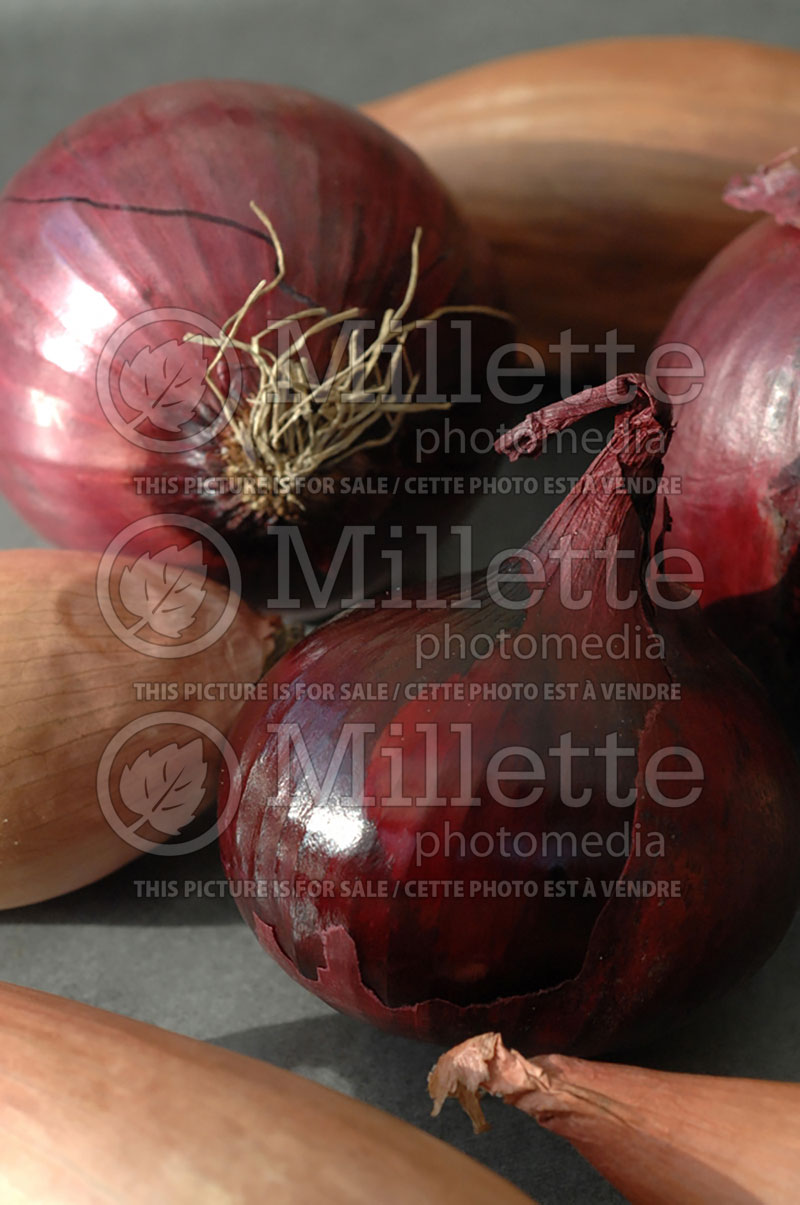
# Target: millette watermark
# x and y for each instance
(515, 776)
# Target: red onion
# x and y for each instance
(145, 207)
(559, 724)
(736, 447)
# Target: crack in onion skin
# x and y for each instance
(96, 1108)
(595, 169)
(145, 204)
(736, 446)
(584, 975)
(67, 688)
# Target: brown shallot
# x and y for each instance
(95, 1108)
(595, 171)
(659, 1137)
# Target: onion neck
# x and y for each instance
(612, 507)
(773, 189)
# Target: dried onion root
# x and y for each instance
(295, 424)
(659, 1137)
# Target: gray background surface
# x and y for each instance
(190, 964)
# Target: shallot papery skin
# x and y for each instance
(347, 868)
(140, 214)
(736, 446)
(659, 1137)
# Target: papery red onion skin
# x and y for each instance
(144, 205)
(586, 974)
(736, 446)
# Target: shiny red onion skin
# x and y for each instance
(736, 451)
(583, 975)
(345, 198)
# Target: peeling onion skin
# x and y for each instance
(736, 449)
(345, 198)
(580, 975)
(595, 170)
(96, 1108)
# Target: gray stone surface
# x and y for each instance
(190, 964)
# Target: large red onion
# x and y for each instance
(736, 446)
(352, 881)
(145, 205)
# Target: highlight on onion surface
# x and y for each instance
(736, 446)
(659, 1137)
(548, 799)
(210, 251)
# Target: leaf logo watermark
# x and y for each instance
(152, 781)
(161, 595)
(151, 381)
(164, 384)
(165, 590)
(165, 788)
